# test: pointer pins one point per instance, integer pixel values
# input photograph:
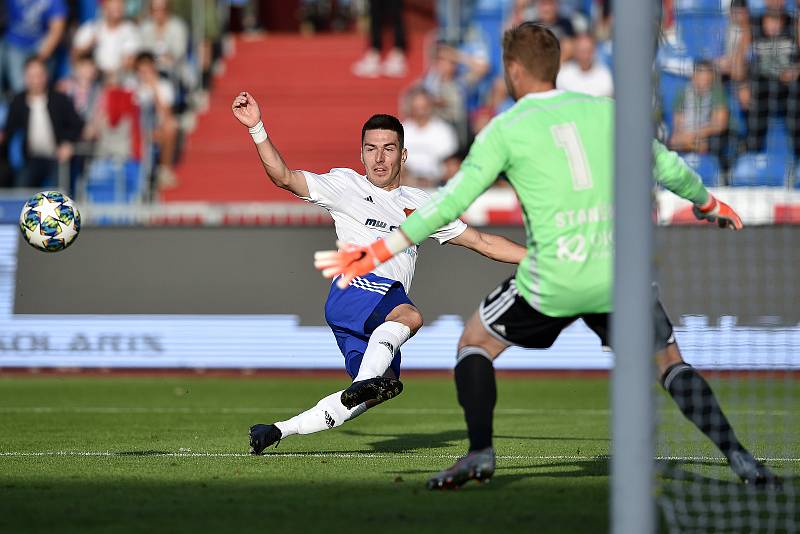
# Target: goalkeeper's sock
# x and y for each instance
(384, 342)
(695, 399)
(477, 394)
(328, 413)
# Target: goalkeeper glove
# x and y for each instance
(351, 260)
(716, 210)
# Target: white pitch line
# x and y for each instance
(382, 410)
(346, 455)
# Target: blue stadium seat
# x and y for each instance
(670, 86)
(706, 165)
(757, 7)
(797, 176)
(702, 33)
(704, 6)
(108, 181)
(760, 169)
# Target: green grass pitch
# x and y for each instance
(168, 454)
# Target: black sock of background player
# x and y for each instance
(694, 397)
(477, 394)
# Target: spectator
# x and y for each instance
(584, 74)
(773, 87)
(737, 40)
(394, 65)
(452, 164)
(701, 115)
(83, 87)
(496, 102)
(429, 140)
(451, 76)
(166, 37)
(113, 40)
(155, 97)
(548, 14)
(35, 27)
(41, 129)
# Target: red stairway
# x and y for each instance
(312, 107)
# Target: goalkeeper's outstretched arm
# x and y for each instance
(245, 108)
(672, 172)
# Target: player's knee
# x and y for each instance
(408, 315)
(667, 357)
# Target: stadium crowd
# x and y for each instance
(102, 87)
(728, 69)
(107, 88)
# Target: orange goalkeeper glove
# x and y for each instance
(351, 260)
(716, 210)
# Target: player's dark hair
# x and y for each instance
(536, 48)
(382, 121)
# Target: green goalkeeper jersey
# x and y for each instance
(556, 148)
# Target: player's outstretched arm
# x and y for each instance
(245, 108)
(673, 173)
(492, 246)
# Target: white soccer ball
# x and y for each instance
(50, 221)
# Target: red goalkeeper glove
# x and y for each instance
(716, 210)
(351, 260)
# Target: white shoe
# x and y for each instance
(395, 65)
(368, 66)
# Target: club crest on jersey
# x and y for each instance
(409, 211)
(375, 223)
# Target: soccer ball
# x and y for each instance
(50, 221)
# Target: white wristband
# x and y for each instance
(258, 133)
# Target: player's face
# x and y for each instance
(382, 157)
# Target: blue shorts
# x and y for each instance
(355, 312)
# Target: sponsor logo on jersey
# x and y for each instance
(375, 223)
(369, 199)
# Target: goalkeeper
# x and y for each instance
(555, 148)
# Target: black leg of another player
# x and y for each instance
(477, 394)
(696, 400)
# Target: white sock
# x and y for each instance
(328, 413)
(384, 343)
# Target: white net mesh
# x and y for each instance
(728, 92)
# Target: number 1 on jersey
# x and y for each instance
(567, 138)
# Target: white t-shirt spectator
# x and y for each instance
(168, 44)
(596, 81)
(166, 94)
(428, 146)
(111, 45)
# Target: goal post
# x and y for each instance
(633, 508)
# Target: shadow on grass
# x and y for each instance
(679, 472)
(410, 441)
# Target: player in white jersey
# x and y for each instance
(373, 316)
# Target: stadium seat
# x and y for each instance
(797, 176)
(757, 7)
(670, 86)
(698, 6)
(702, 33)
(706, 165)
(760, 169)
(109, 181)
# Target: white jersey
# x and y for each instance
(363, 213)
